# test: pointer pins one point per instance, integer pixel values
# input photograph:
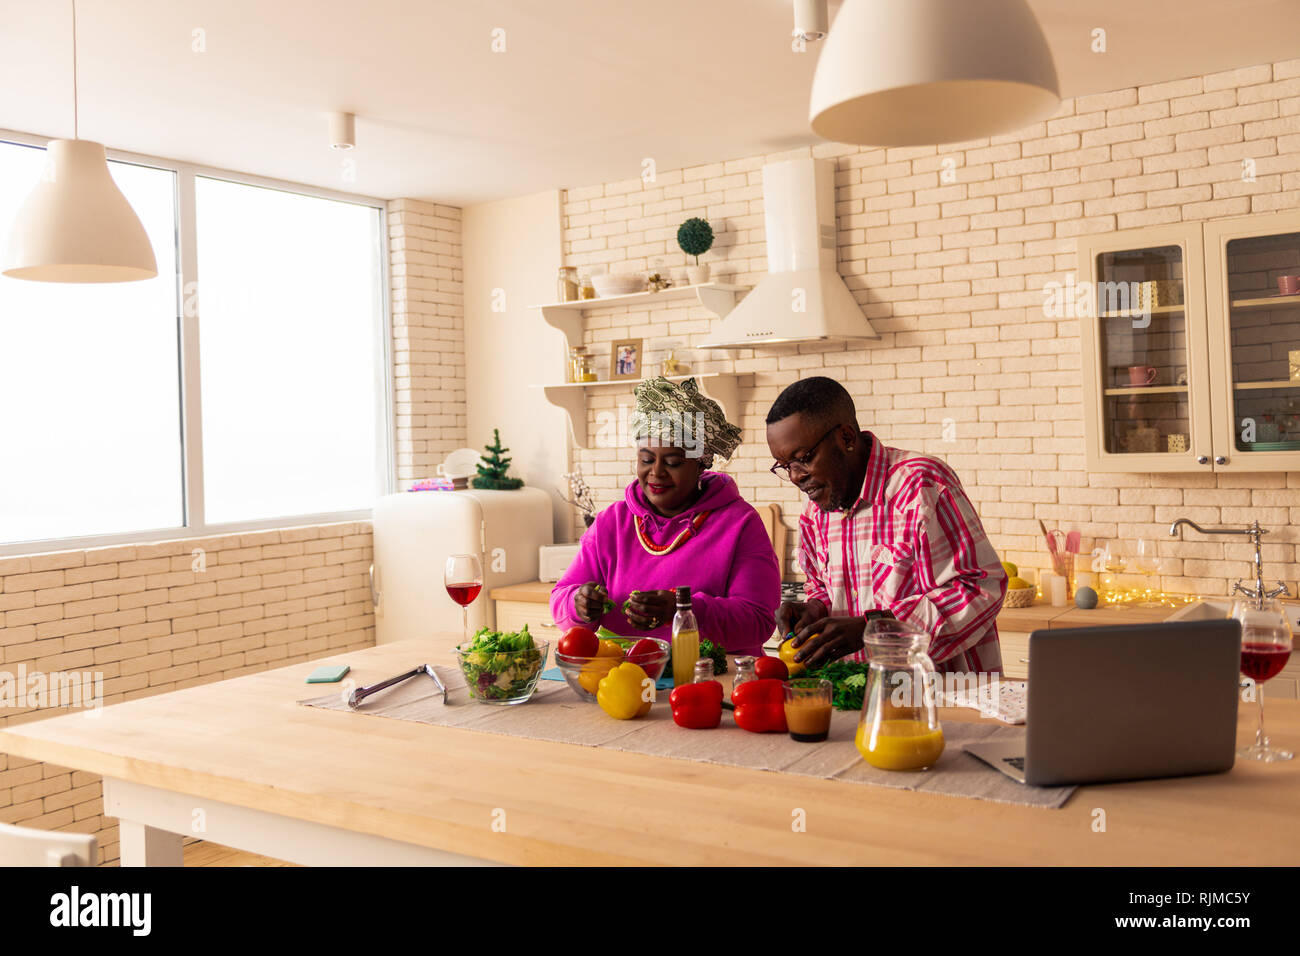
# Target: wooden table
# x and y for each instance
(240, 763)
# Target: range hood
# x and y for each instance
(802, 298)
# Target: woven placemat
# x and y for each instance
(555, 713)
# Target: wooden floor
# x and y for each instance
(212, 854)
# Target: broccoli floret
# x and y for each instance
(716, 653)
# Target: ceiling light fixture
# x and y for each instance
(343, 130)
(75, 225)
(925, 72)
(810, 20)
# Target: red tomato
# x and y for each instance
(773, 667)
(643, 651)
(578, 642)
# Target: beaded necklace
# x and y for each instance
(659, 549)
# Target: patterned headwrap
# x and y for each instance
(681, 417)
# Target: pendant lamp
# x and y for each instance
(926, 72)
(76, 226)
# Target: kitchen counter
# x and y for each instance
(313, 785)
(1040, 615)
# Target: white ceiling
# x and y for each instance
(584, 91)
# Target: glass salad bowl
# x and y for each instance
(583, 674)
(502, 676)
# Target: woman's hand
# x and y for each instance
(794, 615)
(589, 602)
(829, 639)
(650, 610)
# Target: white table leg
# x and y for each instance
(146, 846)
(153, 822)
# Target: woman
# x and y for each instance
(678, 524)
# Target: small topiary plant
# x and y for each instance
(695, 237)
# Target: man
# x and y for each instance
(885, 531)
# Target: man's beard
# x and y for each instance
(835, 502)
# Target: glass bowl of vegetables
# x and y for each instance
(583, 672)
(502, 668)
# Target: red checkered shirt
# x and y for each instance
(912, 544)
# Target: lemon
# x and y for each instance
(1011, 569)
(1018, 584)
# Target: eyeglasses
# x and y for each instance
(787, 469)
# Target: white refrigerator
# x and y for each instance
(415, 531)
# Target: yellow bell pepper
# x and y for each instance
(594, 671)
(786, 652)
(622, 692)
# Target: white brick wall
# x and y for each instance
(428, 335)
(951, 275)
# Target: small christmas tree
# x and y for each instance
(492, 471)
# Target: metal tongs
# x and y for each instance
(361, 693)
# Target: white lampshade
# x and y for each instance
(925, 72)
(76, 226)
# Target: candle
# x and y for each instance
(1057, 586)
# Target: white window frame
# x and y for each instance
(191, 395)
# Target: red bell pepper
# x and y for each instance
(760, 706)
(772, 667)
(697, 706)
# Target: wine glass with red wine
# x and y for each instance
(463, 577)
(1265, 649)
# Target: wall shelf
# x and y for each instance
(718, 297)
(572, 397)
(1283, 383)
(1266, 303)
(1146, 390)
(1139, 314)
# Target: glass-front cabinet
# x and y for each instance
(1141, 309)
(1191, 350)
(1253, 294)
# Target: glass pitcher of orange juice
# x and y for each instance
(899, 728)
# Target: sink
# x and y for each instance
(1208, 609)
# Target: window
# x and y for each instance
(289, 416)
(89, 384)
(289, 347)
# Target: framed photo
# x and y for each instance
(625, 359)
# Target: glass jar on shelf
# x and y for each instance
(567, 284)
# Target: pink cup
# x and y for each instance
(1141, 375)
(1288, 285)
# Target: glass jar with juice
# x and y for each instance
(899, 728)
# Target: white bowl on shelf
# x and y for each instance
(618, 283)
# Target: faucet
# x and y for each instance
(1258, 592)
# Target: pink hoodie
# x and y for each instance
(729, 565)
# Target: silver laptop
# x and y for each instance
(1126, 703)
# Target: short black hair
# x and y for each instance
(820, 398)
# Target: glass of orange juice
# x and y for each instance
(808, 708)
(899, 728)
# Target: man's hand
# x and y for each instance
(793, 615)
(589, 602)
(650, 610)
(829, 639)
